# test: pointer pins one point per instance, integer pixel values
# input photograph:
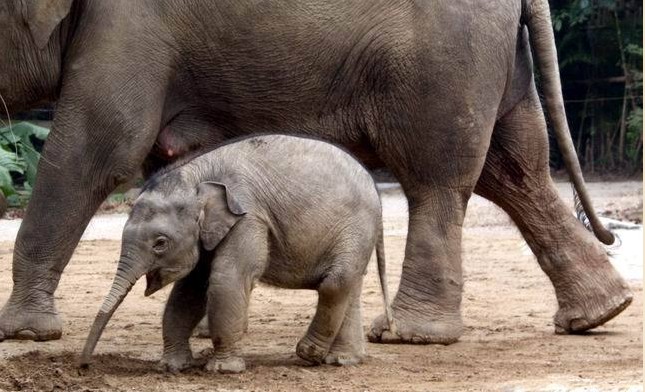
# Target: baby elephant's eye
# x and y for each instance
(160, 245)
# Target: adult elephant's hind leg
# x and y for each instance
(516, 177)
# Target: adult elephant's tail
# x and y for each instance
(537, 17)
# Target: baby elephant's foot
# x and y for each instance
(308, 350)
(228, 365)
(175, 363)
(343, 358)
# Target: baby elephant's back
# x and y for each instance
(313, 167)
(312, 190)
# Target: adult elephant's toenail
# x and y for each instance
(26, 334)
(578, 324)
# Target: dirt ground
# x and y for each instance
(508, 344)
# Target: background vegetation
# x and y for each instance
(600, 48)
(601, 56)
(19, 156)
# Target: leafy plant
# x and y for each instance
(601, 55)
(19, 160)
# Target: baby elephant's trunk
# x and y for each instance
(380, 262)
(126, 276)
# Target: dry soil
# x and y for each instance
(508, 344)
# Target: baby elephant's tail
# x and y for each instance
(380, 262)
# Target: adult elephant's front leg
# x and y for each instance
(87, 154)
(427, 305)
(438, 170)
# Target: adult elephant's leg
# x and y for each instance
(94, 145)
(516, 177)
(438, 175)
(427, 305)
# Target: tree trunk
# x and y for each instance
(623, 130)
(623, 116)
(3, 204)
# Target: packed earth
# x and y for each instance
(508, 305)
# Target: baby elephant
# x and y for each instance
(292, 212)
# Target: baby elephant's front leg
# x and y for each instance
(239, 261)
(228, 299)
(185, 306)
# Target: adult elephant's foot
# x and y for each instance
(590, 314)
(415, 327)
(19, 320)
(588, 295)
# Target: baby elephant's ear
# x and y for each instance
(220, 212)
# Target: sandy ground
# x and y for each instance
(508, 344)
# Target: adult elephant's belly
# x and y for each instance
(188, 132)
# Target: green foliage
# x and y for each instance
(635, 50)
(571, 14)
(19, 160)
(116, 198)
(601, 55)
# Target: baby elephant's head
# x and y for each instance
(164, 232)
(162, 240)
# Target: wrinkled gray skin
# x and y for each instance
(439, 91)
(292, 212)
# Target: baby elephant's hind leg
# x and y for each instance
(334, 295)
(349, 347)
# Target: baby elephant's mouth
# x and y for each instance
(158, 278)
(153, 281)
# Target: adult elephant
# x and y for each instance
(440, 91)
